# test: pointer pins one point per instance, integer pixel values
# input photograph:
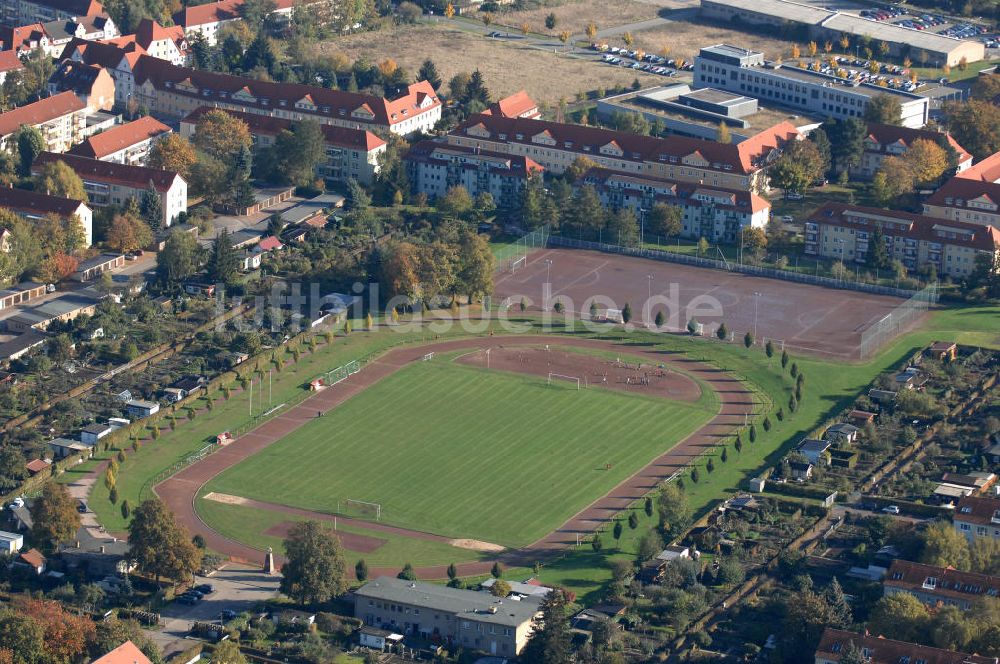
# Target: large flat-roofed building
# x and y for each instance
(555, 146)
(842, 232)
(824, 24)
(748, 73)
(434, 168)
(472, 619)
(718, 215)
(350, 153)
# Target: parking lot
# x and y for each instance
(235, 588)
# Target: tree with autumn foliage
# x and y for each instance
(173, 152)
(221, 135)
(57, 179)
(128, 233)
(57, 267)
(67, 636)
(54, 516)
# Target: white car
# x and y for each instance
(891, 509)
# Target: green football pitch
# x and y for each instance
(461, 452)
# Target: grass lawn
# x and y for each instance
(461, 452)
(189, 437)
(250, 524)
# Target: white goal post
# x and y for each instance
(568, 379)
(360, 508)
(519, 262)
(429, 356)
(613, 316)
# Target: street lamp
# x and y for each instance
(649, 286)
(548, 284)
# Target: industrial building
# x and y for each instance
(821, 24)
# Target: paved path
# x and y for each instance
(180, 491)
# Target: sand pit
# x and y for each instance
(226, 499)
(476, 545)
(626, 374)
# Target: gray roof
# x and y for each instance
(464, 604)
(96, 261)
(842, 427)
(813, 445)
(139, 403)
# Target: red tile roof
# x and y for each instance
(738, 158)
(981, 511)
(987, 170)
(963, 189)
(120, 137)
(9, 61)
(915, 226)
(358, 139)
(40, 111)
(834, 642)
(886, 135)
(948, 583)
(105, 54)
(516, 105)
(37, 203)
(37, 465)
(270, 243)
(23, 37)
(220, 87)
(126, 653)
(214, 12)
(149, 31)
(137, 177)
(33, 557)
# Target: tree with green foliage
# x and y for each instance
(552, 643)
(627, 313)
(223, 262)
(616, 531)
(452, 572)
(314, 570)
(633, 520)
(361, 570)
(12, 470)
(151, 208)
(899, 616)
(674, 511)
(647, 505)
(54, 516)
(846, 142)
(722, 332)
(500, 588)
(784, 359)
(596, 543)
(877, 256)
(884, 109)
(407, 573)
(428, 72)
(57, 179)
(769, 349)
(159, 545)
(22, 638)
(943, 546)
(753, 433)
(228, 652)
(800, 164)
(179, 258)
(664, 219)
(496, 571)
(30, 144)
(748, 340)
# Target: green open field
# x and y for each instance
(457, 451)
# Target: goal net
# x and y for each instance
(613, 316)
(518, 263)
(362, 509)
(342, 372)
(563, 378)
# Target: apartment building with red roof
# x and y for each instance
(172, 91)
(127, 143)
(713, 213)
(34, 205)
(21, 12)
(209, 19)
(350, 153)
(834, 643)
(435, 167)
(9, 62)
(986, 170)
(939, 586)
(59, 118)
(842, 232)
(119, 61)
(517, 105)
(883, 141)
(168, 44)
(966, 199)
(91, 83)
(108, 183)
(977, 517)
(555, 146)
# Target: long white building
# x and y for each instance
(741, 70)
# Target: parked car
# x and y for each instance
(204, 588)
(81, 507)
(891, 509)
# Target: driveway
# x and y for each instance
(237, 588)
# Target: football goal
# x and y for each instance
(561, 377)
(429, 356)
(518, 263)
(360, 508)
(613, 316)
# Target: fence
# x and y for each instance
(521, 248)
(896, 321)
(754, 270)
